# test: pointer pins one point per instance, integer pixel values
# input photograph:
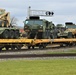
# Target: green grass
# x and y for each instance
(38, 67)
(72, 51)
(62, 52)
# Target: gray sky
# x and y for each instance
(64, 10)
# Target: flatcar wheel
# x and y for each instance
(40, 46)
(0, 49)
(18, 47)
(71, 44)
(7, 48)
(61, 45)
(32, 47)
(29, 47)
(5, 34)
(44, 45)
(12, 47)
(11, 34)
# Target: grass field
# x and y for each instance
(62, 52)
(38, 67)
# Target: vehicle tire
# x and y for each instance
(52, 36)
(11, 34)
(5, 34)
(17, 35)
(55, 35)
(69, 35)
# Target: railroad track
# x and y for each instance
(36, 55)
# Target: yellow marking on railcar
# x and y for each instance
(36, 41)
(39, 41)
(15, 40)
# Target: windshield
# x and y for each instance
(33, 22)
(71, 26)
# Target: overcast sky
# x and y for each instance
(64, 10)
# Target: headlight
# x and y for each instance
(26, 27)
(41, 26)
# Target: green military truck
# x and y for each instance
(39, 28)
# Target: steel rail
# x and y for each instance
(36, 55)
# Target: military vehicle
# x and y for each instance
(60, 27)
(70, 31)
(39, 28)
(6, 29)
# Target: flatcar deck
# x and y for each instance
(62, 40)
(36, 41)
(15, 41)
